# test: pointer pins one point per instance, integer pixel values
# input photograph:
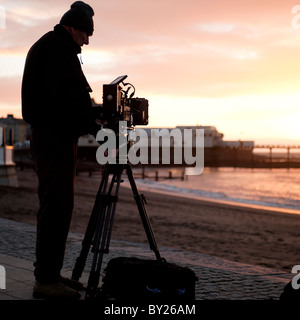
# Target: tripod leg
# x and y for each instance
(114, 201)
(143, 213)
(103, 234)
(90, 231)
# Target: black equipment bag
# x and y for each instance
(290, 294)
(138, 279)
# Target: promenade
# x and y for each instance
(218, 278)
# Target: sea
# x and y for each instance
(273, 189)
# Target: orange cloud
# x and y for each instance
(179, 49)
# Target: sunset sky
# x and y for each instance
(234, 64)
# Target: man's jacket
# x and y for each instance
(55, 93)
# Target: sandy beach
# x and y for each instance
(238, 233)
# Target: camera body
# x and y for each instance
(119, 105)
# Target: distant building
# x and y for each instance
(17, 130)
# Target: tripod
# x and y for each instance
(99, 229)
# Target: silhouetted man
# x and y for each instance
(57, 105)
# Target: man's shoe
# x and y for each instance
(56, 290)
(76, 285)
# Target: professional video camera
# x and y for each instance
(118, 105)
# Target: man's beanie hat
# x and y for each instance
(80, 16)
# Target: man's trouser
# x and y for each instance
(55, 160)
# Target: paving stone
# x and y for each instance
(218, 278)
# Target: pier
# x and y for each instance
(275, 159)
(217, 151)
(259, 156)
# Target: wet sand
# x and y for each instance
(238, 233)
